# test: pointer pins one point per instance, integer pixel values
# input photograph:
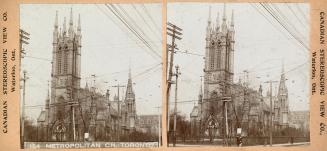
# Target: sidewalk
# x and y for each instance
(274, 145)
(287, 144)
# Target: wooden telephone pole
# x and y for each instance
(119, 114)
(271, 112)
(175, 107)
(23, 37)
(175, 33)
(24, 79)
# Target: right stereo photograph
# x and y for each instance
(238, 74)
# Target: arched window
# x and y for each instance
(66, 62)
(59, 61)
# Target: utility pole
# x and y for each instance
(271, 111)
(174, 32)
(48, 108)
(119, 114)
(23, 37)
(175, 107)
(24, 79)
(159, 125)
(200, 125)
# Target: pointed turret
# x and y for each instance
(86, 86)
(282, 90)
(232, 20)
(55, 31)
(209, 18)
(64, 27)
(79, 23)
(224, 24)
(129, 71)
(129, 87)
(56, 21)
(71, 27)
(71, 17)
(217, 22)
(209, 26)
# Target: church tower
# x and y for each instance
(65, 74)
(218, 69)
(283, 103)
(130, 103)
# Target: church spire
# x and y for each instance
(71, 17)
(129, 89)
(283, 67)
(64, 27)
(71, 28)
(282, 90)
(209, 18)
(224, 15)
(232, 19)
(129, 71)
(224, 24)
(209, 27)
(55, 31)
(217, 22)
(86, 86)
(56, 20)
(79, 23)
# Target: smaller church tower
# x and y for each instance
(130, 103)
(283, 101)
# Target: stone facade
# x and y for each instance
(223, 106)
(72, 112)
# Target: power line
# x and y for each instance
(150, 27)
(273, 14)
(274, 25)
(38, 58)
(145, 43)
(152, 20)
(301, 12)
(115, 11)
(286, 20)
(296, 16)
(132, 22)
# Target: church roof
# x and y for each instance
(195, 111)
(42, 117)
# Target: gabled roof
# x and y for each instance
(195, 111)
(42, 117)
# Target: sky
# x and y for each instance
(108, 49)
(261, 47)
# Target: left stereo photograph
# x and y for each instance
(91, 75)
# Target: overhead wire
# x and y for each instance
(116, 12)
